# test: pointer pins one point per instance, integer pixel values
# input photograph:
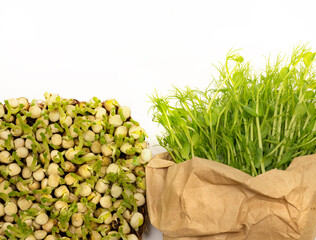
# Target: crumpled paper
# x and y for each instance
(206, 200)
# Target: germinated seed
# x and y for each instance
(8, 218)
(72, 168)
(41, 219)
(39, 174)
(2, 213)
(19, 142)
(10, 209)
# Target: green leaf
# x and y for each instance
(265, 129)
(252, 146)
(310, 95)
(260, 110)
(300, 110)
(308, 58)
(284, 71)
(267, 162)
(313, 85)
(311, 108)
(286, 158)
(238, 58)
(258, 157)
(238, 79)
(214, 118)
(195, 139)
(185, 151)
(310, 126)
(251, 111)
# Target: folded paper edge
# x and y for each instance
(163, 161)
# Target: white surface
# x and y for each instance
(126, 49)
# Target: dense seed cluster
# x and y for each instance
(71, 170)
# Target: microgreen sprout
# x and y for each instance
(251, 121)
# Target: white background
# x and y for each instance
(127, 49)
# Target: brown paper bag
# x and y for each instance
(206, 200)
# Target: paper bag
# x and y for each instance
(206, 200)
